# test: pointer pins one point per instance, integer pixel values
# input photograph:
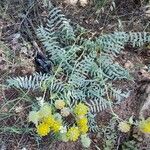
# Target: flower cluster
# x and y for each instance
(83, 124)
(47, 122)
(60, 104)
(124, 126)
(44, 120)
(73, 134)
(81, 111)
(43, 129)
(144, 125)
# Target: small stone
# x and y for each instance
(83, 3)
(128, 65)
(18, 109)
(71, 2)
(65, 112)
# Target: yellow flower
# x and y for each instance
(65, 112)
(144, 126)
(43, 129)
(56, 126)
(49, 120)
(83, 129)
(81, 109)
(82, 121)
(73, 134)
(59, 104)
(82, 124)
(124, 126)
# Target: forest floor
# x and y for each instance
(17, 25)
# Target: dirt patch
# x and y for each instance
(105, 18)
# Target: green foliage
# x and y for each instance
(98, 104)
(129, 145)
(119, 95)
(110, 135)
(116, 41)
(92, 123)
(30, 83)
(100, 3)
(83, 68)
